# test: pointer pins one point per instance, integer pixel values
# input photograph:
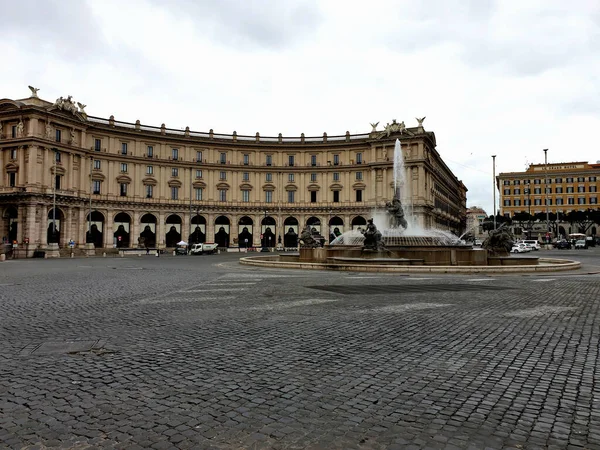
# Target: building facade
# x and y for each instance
(69, 177)
(475, 218)
(564, 187)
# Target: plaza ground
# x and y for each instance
(201, 352)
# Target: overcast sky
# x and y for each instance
(508, 77)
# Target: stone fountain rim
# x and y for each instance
(550, 265)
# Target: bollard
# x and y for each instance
(72, 255)
(2, 257)
(104, 254)
(121, 254)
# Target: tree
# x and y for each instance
(488, 222)
(583, 219)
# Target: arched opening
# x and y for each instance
(122, 225)
(336, 227)
(268, 227)
(198, 236)
(147, 237)
(173, 236)
(245, 225)
(95, 235)
(314, 223)
(10, 219)
(359, 222)
(55, 220)
(290, 238)
(222, 226)
(562, 232)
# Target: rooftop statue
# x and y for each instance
(420, 121)
(33, 91)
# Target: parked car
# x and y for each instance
(520, 248)
(562, 244)
(535, 245)
(181, 251)
(581, 244)
(477, 243)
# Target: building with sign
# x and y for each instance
(70, 176)
(563, 187)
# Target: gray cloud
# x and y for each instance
(252, 23)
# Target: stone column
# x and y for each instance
(210, 227)
(67, 227)
(134, 229)
(257, 230)
(43, 226)
(81, 227)
(185, 227)
(160, 230)
(234, 231)
(22, 223)
(108, 229)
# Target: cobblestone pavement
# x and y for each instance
(200, 352)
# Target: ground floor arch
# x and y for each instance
(246, 227)
(55, 221)
(95, 235)
(359, 222)
(268, 227)
(122, 235)
(290, 236)
(147, 237)
(11, 224)
(336, 227)
(173, 235)
(198, 235)
(222, 225)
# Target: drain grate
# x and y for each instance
(63, 347)
(375, 289)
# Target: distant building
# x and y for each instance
(475, 218)
(564, 187)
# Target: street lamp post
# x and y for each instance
(494, 181)
(546, 187)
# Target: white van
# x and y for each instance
(535, 245)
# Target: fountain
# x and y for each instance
(394, 241)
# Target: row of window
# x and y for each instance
(223, 174)
(557, 190)
(556, 180)
(198, 193)
(559, 201)
(223, 155)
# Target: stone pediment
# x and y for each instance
(11, 167)
(123, 179)
(98, 176)
(246, 187)
(359, 185)
(7, 104)
(291, 187)
(314, 187)
(149, 181)
(223, 186)
(174, 183)
(336, 187)
(268, 187)
(199, 184)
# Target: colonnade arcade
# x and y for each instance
(123, 229)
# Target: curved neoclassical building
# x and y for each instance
(120, 184)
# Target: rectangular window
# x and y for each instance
(313, 196)
(548, 201)
(97, 145)
(569, 189)
(269, 160)
(537, 190)
(57, 179)
(245, 176)
(548, 190)
(222, 175)
(569, 179)
(245, 195)
(581, 201)
(506, 202)
(150, 151)
(593, 189)
(97, 164)
(223, 158)
(336, 196)
(291, 160)
(558, 180)
(336, 160)
(149, 170)
(580, 179)
(12, 179)
(517, 192)
(571, 201)
(222, 195)
(537, 181)
(336, 176)
(291, 196)
(580, 188)
(359, 158)
(246, 159)
(14, 131)
(527, 202)
(593, 200)
(560, 201)
(506, 183)
(123, 189)
(57, 156)
(123, 148)
(359, 195)
(174, 172)
(290, 177)
(506, 191)
(198, 194)
(149, 191)
(58, 135)
(313, 177)
(269, 177)
(13, 153)
(198, 173)
(592, 179)
(175, 154)
(268, 196)
(96, 184)
(174, 193)
(123, 167)
(537, 201)
(517, 202)
(359, 176)
(517, 182)
(198, 156)
(313, 160)
(559, 190)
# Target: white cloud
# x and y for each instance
(507, 78)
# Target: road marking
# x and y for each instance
(212, 290)
(234, 283)
(294, 304)
(409, 307)
(542, 280)
(421, 279)
(481, 279)
(152, 301)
